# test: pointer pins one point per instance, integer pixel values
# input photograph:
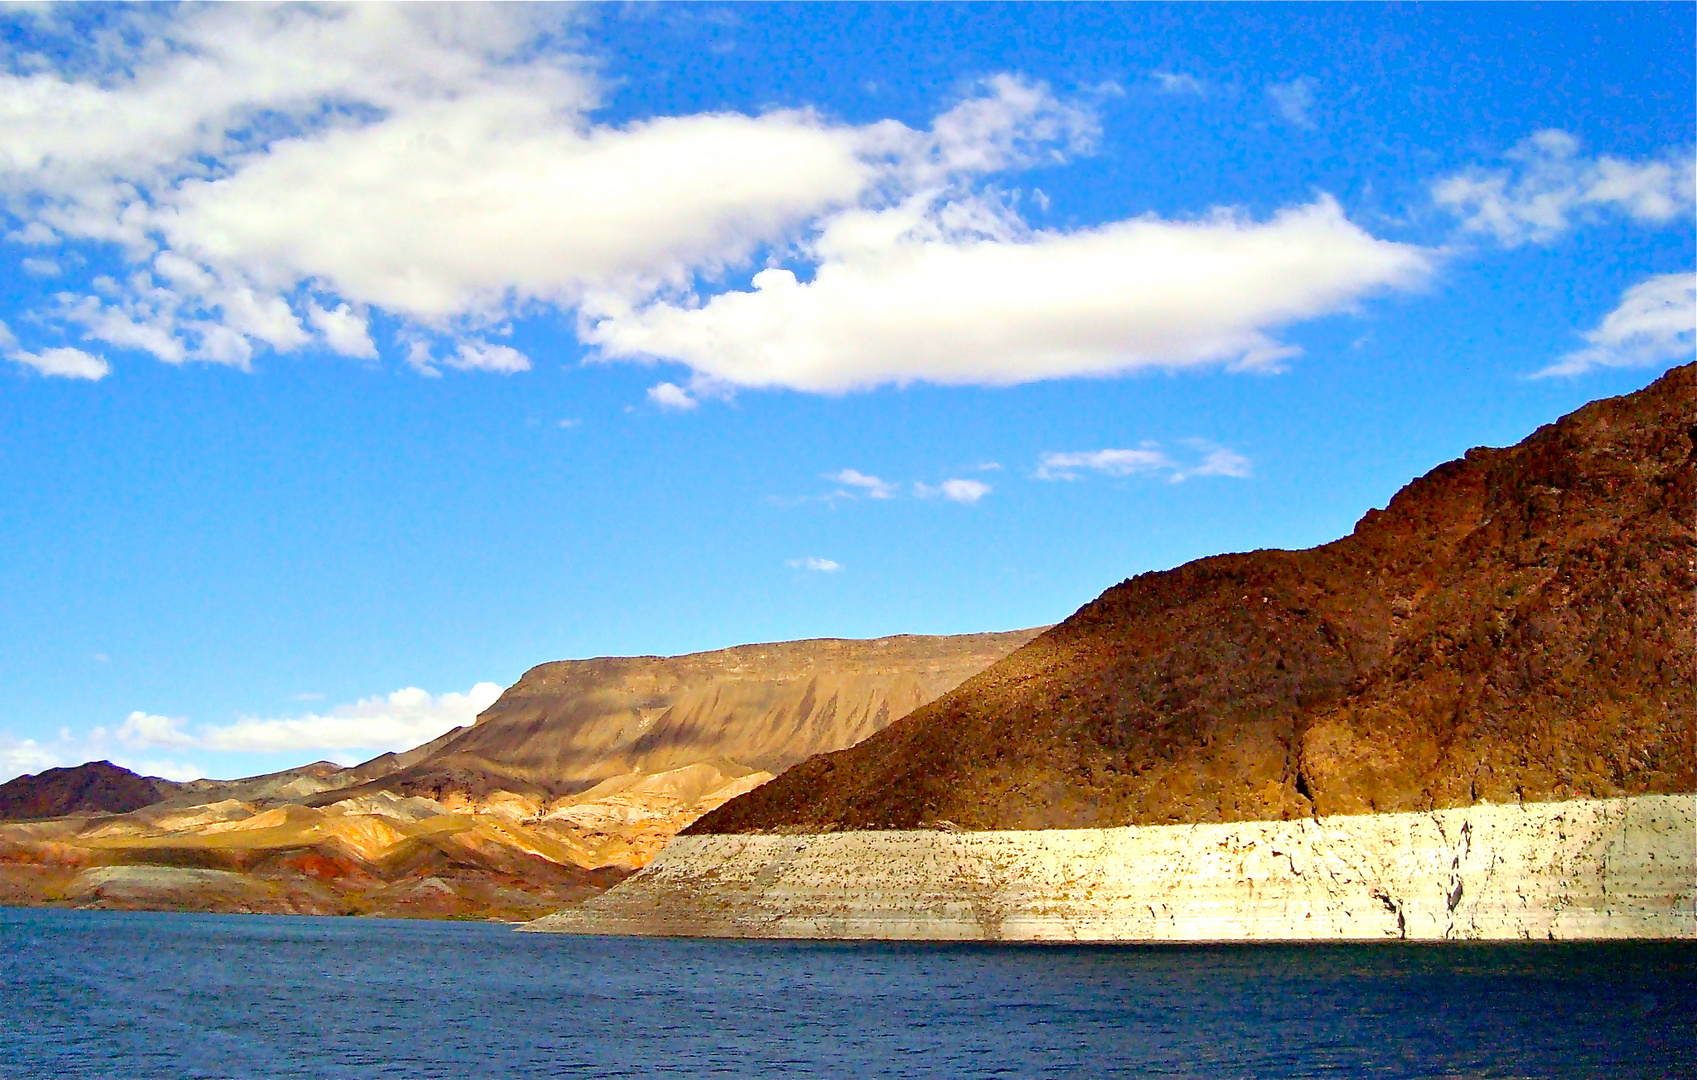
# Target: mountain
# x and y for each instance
(566, 726)
(98, 786)
(1515, 625)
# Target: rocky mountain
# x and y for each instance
(1515, 625)
(97, 786)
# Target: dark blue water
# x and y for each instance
(137, 996)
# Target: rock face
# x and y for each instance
(1618, 868)
(1515, 626)
(96, 786)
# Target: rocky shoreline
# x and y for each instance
(1573, 870)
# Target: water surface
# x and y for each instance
(140, 996)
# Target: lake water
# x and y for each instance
(138, 996)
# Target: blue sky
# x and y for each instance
(357, 360)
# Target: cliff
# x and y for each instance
(1514, 626)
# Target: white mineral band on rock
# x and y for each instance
(1590, 869)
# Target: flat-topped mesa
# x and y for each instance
(568, 725)
(1516, 626)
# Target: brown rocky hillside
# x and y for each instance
(98, 786)
(1517, 624)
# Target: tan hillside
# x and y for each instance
(1515, 625)
(566, 726)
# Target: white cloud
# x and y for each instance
(1656, 323)
(815, 565)
(1549, 187)
(482, 356)
(142, 730)
(1294, 100)
(278, 176)
(40, 267)
(1066, 466)
(1147, 459)
(1172, 82)
(400, 721)
(871, 486)
(958, 293)
(345, 330)
(161, 767)
(19, 756)
(64, 362)
(1217, 461)
(671, 396)
(961, 491)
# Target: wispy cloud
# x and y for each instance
(954, 490)
(1294, 101)
(1172, 82)
(870, 486)
(1147, 459)
(815, 565)
(64, 363)
(1656, 323)
(1548, 186)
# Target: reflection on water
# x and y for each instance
(139, 996)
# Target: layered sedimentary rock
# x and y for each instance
(1589, 869)
(1514, 626)
(375, 854)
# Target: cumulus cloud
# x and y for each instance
(394, 722)
(961, 491)
(441, 167)
(398, 721)
(870, 486)
(142, 730)
(957, 293)
(64, 362)
(1656, 323)
(671, 396)
(345, 331)
(415, 165)
(19, 756)
(1548, 186)
(1147, 459)
(814, 565)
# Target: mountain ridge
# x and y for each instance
(1514, 625)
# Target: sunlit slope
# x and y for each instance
(569, 725)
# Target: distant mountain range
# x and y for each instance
(1515, 625)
